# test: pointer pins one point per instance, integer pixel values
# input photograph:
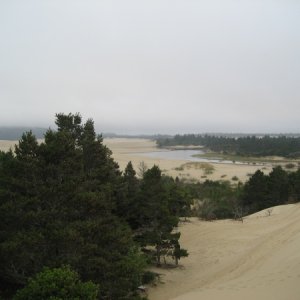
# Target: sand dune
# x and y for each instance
(257, 259)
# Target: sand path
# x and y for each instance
(257, 259)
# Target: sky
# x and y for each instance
(152, 66)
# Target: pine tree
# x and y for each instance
(156, 222)
(57, 201)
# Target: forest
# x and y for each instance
(68, 215)
(286, 146)
(73, 226)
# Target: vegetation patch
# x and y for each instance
(290, 166)
(206, 167)
(179, 168)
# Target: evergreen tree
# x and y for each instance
(278, 187)
(256, 193)
(127, 194)
(294, 186)
(156, 222)
(57, 201)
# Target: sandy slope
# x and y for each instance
(257, 259)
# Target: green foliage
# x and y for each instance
(179, 253)
(127, 193)
(217, 199)
(149, 277)
(256, 192)
(290, 166)
(159, 203)
(58, 284)
(294, 186)
(58, 206)
(262, 191)
(65, 202)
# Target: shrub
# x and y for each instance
(59, 284)
(149, 277)
(290, 166)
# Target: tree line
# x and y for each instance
(67, 213)
(285, 146)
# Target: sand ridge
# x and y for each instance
(257, 259)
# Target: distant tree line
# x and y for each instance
(249, 146)
(14, 133)
(67, 213)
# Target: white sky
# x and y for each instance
(152, 66)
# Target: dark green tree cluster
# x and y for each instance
(263, 191)
(220, 200)
(65, 202)
(216, 199)
(152, 207)
(247, 146)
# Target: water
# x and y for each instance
(186, 155)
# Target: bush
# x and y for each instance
(290, 166)
(149, 277)
(58, 284)
(206, 210)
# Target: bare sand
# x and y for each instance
(229, 260)
(6, 145)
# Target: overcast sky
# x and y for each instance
(152, 66)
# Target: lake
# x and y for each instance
(186, 155)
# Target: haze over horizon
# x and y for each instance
(159, 66)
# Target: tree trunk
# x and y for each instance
(158, 263)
